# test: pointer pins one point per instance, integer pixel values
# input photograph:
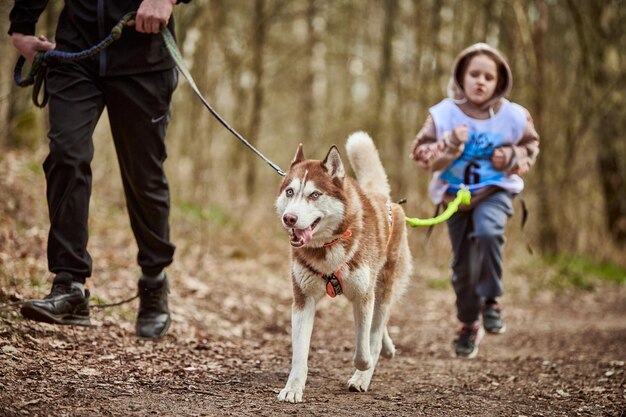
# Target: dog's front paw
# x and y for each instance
(291, 394)
(360, 381)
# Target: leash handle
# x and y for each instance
(37, 72)
(34, 69)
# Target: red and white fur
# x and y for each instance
(317, 204)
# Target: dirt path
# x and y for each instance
(228, 354)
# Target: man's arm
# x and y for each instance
(23, 17)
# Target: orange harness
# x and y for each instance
(334, 281)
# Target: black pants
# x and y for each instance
(138, 107)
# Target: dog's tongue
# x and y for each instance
(303, 235)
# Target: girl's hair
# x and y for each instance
(503, 74)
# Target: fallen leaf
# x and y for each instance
(89, 372)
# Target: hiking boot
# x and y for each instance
(153, 318)
(64, 305)
(492, 318)
(466, 344)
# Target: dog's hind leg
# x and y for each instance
(302, 317)
(388, 350)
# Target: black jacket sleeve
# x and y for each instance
(25, 14)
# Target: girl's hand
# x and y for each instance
(501, 158)
(460, 135)
(510, 159)
(414, 147)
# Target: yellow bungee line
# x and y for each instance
(463, 196)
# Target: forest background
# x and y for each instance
(308, 71)
(284, 72)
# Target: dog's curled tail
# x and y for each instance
(366, 163)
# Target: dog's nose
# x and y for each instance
(290, 219)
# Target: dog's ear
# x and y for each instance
(333, 163)
(299, 156)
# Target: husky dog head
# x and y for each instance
(311, 200)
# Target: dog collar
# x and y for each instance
(345, 235)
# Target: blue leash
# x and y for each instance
(37, 72)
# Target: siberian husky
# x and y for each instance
(347, 238)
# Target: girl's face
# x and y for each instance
(480, 79)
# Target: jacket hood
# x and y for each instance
(505, 77)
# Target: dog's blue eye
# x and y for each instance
(289, 192)
(315, 195)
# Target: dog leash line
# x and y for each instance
(180, 64)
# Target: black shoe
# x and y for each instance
(492, 319)
(466, 344)
(64, 305)
(153, 318)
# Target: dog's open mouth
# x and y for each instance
(300, 237)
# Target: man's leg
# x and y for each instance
(75, 106)
(139, 112)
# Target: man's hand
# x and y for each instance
(29, 45)
(152, 15)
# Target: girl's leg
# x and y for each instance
(489, 220)
(463, 281)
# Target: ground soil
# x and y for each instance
(228, 351)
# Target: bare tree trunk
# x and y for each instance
(306, 114)
(609, 81)
(601, 106)
(258, 44)
(234, 66)
(399, 157)
(431, 81)
(384, 73)
(547, 229)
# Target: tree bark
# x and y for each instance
(307, 108)
(258, 44)
(609, 81)
(386, 63)
(548, 236)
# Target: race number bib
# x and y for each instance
(474, 168)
